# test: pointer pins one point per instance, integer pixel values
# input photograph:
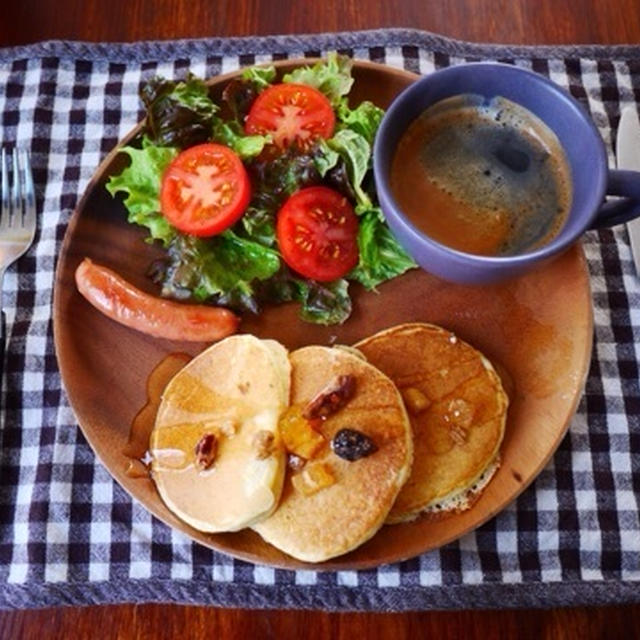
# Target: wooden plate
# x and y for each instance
(537, 330)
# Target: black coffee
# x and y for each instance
(485, 177)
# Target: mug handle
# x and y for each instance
(627, 185)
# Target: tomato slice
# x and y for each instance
(317, 231)
(205, 189)
(291, 112)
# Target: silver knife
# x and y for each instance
(628, 157)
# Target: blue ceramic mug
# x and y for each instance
(583, 146)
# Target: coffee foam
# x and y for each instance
(500, 160)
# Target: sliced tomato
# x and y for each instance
(289, 112)
(204, 190)
(317, 231)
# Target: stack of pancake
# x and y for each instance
(318, 448)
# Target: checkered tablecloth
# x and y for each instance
(70, 535)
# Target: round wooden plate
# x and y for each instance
(536, 329)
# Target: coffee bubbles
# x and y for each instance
(482, 176)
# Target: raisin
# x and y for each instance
(351, 445)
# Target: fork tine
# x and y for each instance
(16, 191)
(29, 220)
(6, 203)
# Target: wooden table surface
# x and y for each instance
(508, 21)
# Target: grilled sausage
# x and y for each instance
(121, 301)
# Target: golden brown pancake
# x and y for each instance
(458, 431)
(345, 514)
(235, 391)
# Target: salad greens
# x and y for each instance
(331, 77)
(220, 269)
(242, 268)
(355, 152)
(141, 182)
(260, 77)
(380, 259)
(179, 114)
(231, 134)
(364, 119)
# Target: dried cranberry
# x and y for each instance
(351, 445)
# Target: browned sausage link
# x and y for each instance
(121, 301)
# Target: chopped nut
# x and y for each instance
(294, 462)
(460, 412)
(298, 435)
(229, 428)
(206, 450)
(415, 401)
(313, 478)
(263, 443)
(458, 434)
(243, 387)
(332, 398)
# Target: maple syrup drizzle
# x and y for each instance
(143, 422)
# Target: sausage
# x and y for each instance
(121, 301)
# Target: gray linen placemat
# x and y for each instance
(70, 535)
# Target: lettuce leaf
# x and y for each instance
(331, 77)
(355, 151)
(324, 303)
(179, 114)
(260, 77)
(231, 134)
(321, 302)
(259, 225)
(381, 256)
(276, 175)
(324, 157)
(141, 182)
(240, 93)
(364, 119)
(222, 269)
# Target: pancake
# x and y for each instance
(343, 515)
(217, 458)
(457, 408)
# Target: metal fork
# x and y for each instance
(17, 219)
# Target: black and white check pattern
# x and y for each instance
(70, 534)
